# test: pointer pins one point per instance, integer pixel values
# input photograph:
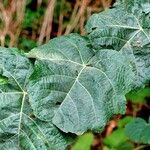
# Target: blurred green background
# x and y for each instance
(28, 23)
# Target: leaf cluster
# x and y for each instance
(74, 83)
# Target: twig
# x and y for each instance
(60, 20)
(47, 23)
(141, 147)
(74, 18)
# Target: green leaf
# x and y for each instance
(125, 28)
(125, 146)
(116, 138)
(134, 5)
(3, 80)
(84, 142)
(138, 96)
(84, 89)
(124, 121)
(76, 83)
(107, 148)
(19, 128)
(138, 131)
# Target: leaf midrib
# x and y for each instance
(139, 29)
(76, 79)
(22, 102)
(83, 67)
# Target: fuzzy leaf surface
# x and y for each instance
(138, 131)
(84, 89)
(19, 128)
(125, 28)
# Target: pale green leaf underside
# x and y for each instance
(19, 128)
(125, 28)
(84, 90)
(138, 131)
